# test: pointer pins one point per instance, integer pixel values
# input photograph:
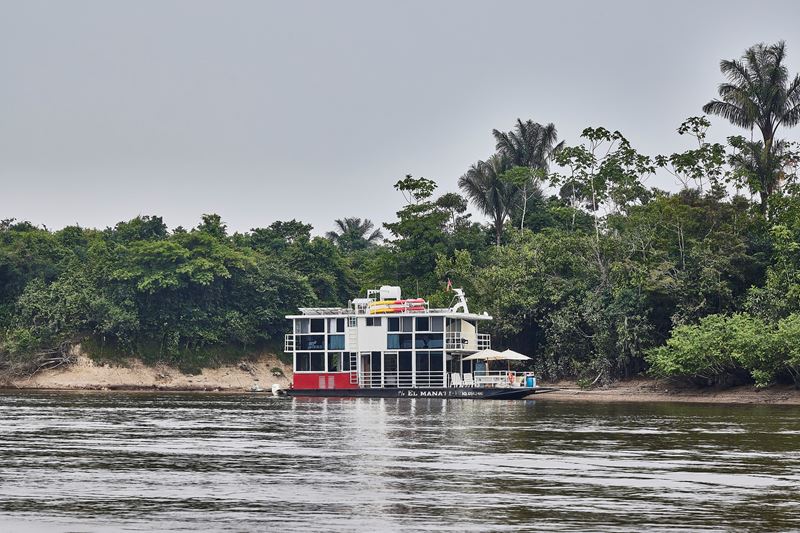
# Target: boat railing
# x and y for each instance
(495, 378)
(402, 379)
(456, 340)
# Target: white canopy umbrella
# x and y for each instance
(486, 355)
(494, 355)
(511, 355)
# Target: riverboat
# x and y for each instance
(389, 347)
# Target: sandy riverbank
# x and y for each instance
(648, 390)
(86, 374)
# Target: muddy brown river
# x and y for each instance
(185, 462)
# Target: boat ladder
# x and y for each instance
(353, 368)
(352, 340)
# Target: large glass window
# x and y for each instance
(336, 325)
(429, 341)
(423, 365)
(404, 324)
(376, 369)
(312, 342)
(430, 366)
(437, 361)
(336, 342)
(335, 362)
(318, 362)
(391, 375)
(317, 325)
(437, 323)
(302, 325)
(302, 362)
(423, 324)
(404, 364)
(397, 341)
(346, 362)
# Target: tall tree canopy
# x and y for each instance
(484, 185)
(759, 93)
(352, 234)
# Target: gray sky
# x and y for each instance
(264, 111)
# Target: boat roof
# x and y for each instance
(342, 312)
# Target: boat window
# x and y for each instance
(312, 342)
(374, 321)
(334, 362)
(454, 325)
(429, 340)
(336, 342)
(436, 361)
(437, 323)
(396, 341)
(318, 362)
(423, 324)
(393, 324)
(302, 325)
(376, 369)
(404, 364)
(317, 325)
(407, 324)
(346, 362)
(302, 362)
(336, 325)
(352, 321)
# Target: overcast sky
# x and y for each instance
(264, 111)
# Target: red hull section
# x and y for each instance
(323, 380)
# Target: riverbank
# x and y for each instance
(651, 390)
(86, 374)
(260, 374)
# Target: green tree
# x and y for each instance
(759, 94)
(353, 234)
(484, 185)
(529, 146)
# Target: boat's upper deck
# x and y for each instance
(387, 302)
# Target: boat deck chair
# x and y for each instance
(455, 380)
(468, 381)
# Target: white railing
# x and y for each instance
(288, 343)
(455, 340)
(495, 378)
(484, 341)
(401, 379)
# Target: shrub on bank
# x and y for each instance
(719, 347)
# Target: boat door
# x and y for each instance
(391, 370)
(365, 369)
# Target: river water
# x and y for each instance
(182, 462)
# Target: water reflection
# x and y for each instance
(96, 462)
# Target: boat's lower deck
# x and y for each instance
(477, 393)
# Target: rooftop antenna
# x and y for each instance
(461, 303)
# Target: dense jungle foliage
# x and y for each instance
(582, 265)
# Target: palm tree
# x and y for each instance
(484, 186)
(532, 146)
(753, 163)
(354, 234)
(759, 94)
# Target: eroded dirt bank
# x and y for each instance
(648, 390)
(86, 374)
